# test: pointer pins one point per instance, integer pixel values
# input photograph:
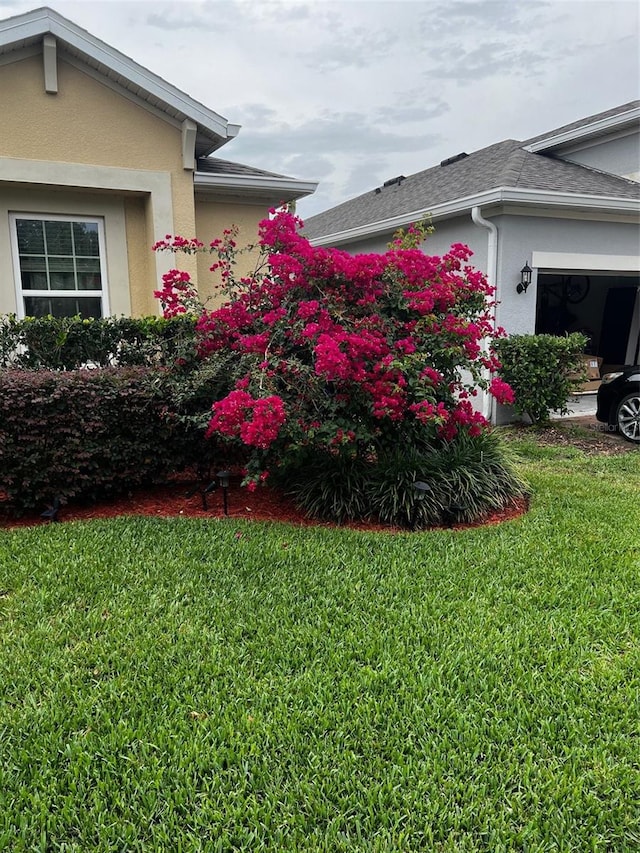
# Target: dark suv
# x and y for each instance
(619, 402)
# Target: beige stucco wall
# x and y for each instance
(142, 273)
(108, 208)
(87, 122)
(212, 217)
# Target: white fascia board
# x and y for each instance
(499, 195)
(587, 131)
(381, 226)
(583, 201)
(290, 187)
(43, 21)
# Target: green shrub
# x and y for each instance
(190, 389)
(539, 369)
(83, 434)
(328, 486)
(67, 343)
(466, 478)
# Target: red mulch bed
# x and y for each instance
(173, 500)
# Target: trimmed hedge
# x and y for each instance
(539, 368)
(68, 343)
(84, 434)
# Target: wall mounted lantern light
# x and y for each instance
(525, 278)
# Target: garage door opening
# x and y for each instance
(605, 308)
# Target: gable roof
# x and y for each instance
(613, 120)
(22, 36)
(505, 171)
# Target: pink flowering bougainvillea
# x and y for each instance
(349, 353)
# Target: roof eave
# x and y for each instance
(272, 189)
(497, 196)
(587, 131)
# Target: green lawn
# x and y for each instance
(176, 685)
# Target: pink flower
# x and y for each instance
(256, 422)
(502, 391)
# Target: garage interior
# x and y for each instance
(604, 307)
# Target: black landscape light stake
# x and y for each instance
(223, 476)
(210, 488)
(203, 492)
(51, 512)
(420, 488)
(451, 515)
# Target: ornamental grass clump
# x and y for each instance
(353, 366)
(467, 478)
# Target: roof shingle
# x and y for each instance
(504, 164)
(216, 166)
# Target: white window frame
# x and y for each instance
(48, 217)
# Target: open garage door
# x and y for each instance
(606, 308)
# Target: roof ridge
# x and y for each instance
(513, 167)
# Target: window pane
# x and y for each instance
(62, 257)
(61, 274)
(30, 237)
(61, 306)
(34, 273)
(62, 281)
(58, 236)
(85, 236)
(90, 306)
(89, 277)
(37, 306)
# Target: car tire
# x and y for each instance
(628, 417)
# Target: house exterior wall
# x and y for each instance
(89, 124)
(447, 231)
(519, 236)
(109, 208)
(561, 241)
(618, 155)
(212, 217)
(142, 270)
(85, 117)
(610, 245)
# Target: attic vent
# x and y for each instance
(377, 191)
(392, 181)
(455, 159)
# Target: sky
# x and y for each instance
(356, 92)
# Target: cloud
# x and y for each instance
(356, 48)
(485, 60)
(348, 152)
(193, 17)
(364, 176)
(315, 166)
(327, 132)
(410, 113)
(481, 16)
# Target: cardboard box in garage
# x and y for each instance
(591, 367)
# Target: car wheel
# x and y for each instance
(628, 417)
